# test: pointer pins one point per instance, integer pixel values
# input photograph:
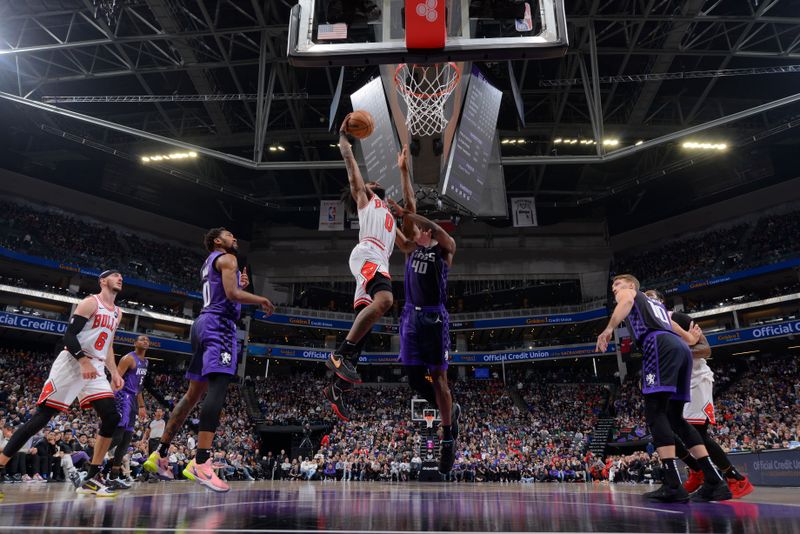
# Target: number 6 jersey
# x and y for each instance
(99, 331)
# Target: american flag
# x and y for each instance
(329, 32)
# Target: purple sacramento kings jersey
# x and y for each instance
(426, 277)
(214, 299)
(134, 377)
(647, 316)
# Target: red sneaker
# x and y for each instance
(740, 488)
(694, 481)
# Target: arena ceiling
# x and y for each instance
(660, 66)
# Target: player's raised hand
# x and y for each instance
(402, 159)
(603, 339)
(396, 209)
(267, 306)
(244, 280)
(88, 371)
(695, 331)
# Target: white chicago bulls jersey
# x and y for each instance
(99, 331)
(376, 227)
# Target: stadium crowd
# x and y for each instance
(56, 235)
(22, 374)
(756, 403)
(715, 252)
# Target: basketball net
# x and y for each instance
(428, 421)
(425, 90)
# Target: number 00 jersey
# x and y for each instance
(376, 227)
(99, 331)
(647, 316)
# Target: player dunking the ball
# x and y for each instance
(666, 377)
(369, 264)
(78, 372)
(424, 323)
(215, 357)
(130, 402)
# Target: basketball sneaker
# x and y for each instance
(76, 477)
(186, 473)
(204, 475)
(668, 494)
(454, 420)
(116, 484)
(94, 486)
(447, 456)
(694, 481)
(335, 396)
(343, 368)
(159, 466)
(740, 488)
(712, 492)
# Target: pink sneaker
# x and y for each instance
(37, 477)
(205, 475)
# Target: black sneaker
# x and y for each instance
(456, 415)
(343, 368)
(668, 494)
(94, 486)
(334, 395)
(712, 492)
(447, 456)
(116, 484)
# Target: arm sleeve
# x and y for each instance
(71, 342)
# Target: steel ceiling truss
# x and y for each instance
(232, 51)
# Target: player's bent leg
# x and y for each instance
(713, 488)
(109, 419)
(695, 479)
(444, 402)
(737, 483)
(23, 434)
(200, 467)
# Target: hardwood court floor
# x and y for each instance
(361, 507)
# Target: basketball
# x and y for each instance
(360, 124)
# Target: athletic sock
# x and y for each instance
(163, 450)
(448, 431)
(731, 472)
(671, 477)
(691, 462)
(2, 474)
(94, 470)
(202, 456)
(710, 472)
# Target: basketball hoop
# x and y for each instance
(425, 90)
(428, 421)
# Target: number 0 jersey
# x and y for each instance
(99, 331)
(647, 316)
(376, 227)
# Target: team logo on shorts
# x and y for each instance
(225, 358)
(48, 389)
(650, 379)
(447, 355)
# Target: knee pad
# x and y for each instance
(109, 417)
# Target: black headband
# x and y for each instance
(107, 273)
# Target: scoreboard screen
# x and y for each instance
(473, 177)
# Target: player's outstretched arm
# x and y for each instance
(623, 308)
(230, 282)
(357, 186)
(445, 240)
(404, 244)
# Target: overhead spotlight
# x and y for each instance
(172, 156)
(639, 142)
(610, 142)
(520, 141)
(557, 141)
(694, 145)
